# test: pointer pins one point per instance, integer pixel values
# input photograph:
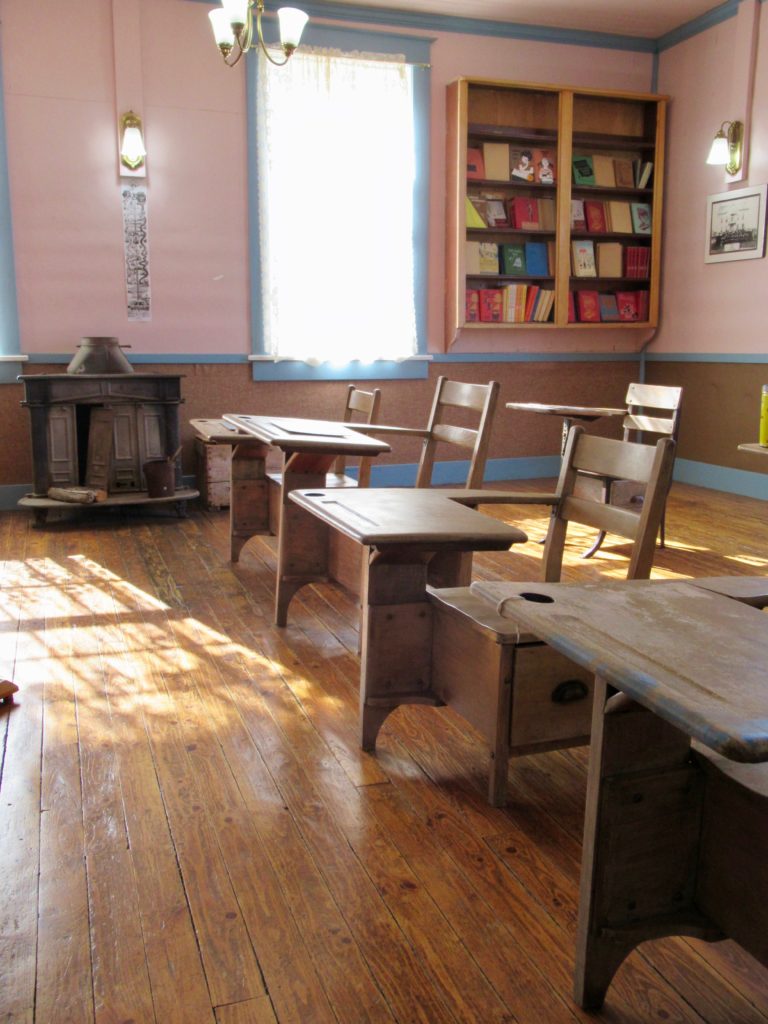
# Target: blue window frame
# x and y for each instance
(417, 53)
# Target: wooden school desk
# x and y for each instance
(414, 536)
(676, 832)
(568, 413)
(309, 448)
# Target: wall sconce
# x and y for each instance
(233, 26)
(132, 150)
(727, 146)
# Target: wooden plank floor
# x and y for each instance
(189, 832)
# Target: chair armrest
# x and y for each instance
(383, 428)
(472, 498)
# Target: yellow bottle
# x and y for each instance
(764, 417)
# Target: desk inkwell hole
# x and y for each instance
(537, 598)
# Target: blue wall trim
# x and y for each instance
(9, 314)
(154, 357)
(478, 27)
(697, 25)
(381, 369)
(706, 357)
(535, 357)
(515, 30)
(722, 478)
(455, 472)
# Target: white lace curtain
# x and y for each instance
(336, 165)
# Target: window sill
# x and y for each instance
(268, 368)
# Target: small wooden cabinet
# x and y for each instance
(552, 129)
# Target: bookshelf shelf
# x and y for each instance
(613, 142)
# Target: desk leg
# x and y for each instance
(641, 842)
(396, 654)
(249, 496)
(302, 547)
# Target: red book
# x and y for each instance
(628, 305)
(571, 309)
(472, 310)
(524, 213)
(475, 164)
(530, 304)
(594, 211)
(492, 305)
(589, 306)
(642, 305)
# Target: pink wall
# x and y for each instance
(61, 117)
(708, 307)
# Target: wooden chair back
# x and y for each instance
(650, 465)
(644, 402)
(361, 407)
(451, 395)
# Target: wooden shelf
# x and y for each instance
(569, 122)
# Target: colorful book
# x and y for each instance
(609, 259)
(578, 217)
(583, 258)
(496, 158)
(628, 306)
(571, 309)
(609, 308)
(594, 211)
(641, 218)
(623, 173)
(588, 306)
(472, 306)
(515, 296)
(489, 258)
(619, 216)
(521, 166)
(473, 216)
(524, 213)
(496, 213)
(583, 171)
(602, 168)
(512, 257)
(475, 165)
(536, 259)
(531, 301)
(491, 305)
(642, 304)
(544, 166)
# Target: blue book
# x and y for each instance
(536, 259)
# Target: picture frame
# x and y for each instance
(736, 225)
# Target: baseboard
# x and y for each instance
(700, 474)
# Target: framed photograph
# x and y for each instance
(736, 225)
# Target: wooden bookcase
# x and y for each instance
(569, 123)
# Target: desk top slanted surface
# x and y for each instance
(303, 435)
(694, 657)
(407, 517)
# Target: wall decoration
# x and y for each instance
(136, 247)
(736, 225)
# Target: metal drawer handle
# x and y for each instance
(569, 691)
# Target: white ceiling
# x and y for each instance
(648, 18)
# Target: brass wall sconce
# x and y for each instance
(233, 29)
(132, 150)
(727, 146)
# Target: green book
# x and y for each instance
(512, 259)
(583, 170)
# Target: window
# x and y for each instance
(9, 321)
(339, 213)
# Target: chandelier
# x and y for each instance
(233, 29)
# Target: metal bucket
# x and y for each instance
(161, 478)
